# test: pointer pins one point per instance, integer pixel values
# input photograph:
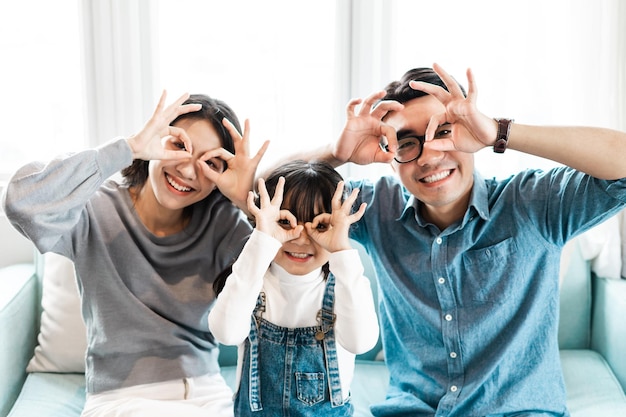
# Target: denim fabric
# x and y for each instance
(289, 372)
(469, 314)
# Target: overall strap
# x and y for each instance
(326, 318)
(254, 377)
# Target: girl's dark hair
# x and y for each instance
(401, 92)
(213, 111)
(309, 190)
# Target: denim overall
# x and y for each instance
(299, 375)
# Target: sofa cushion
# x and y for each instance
(60, 395)
(592, 388)
(62, 339)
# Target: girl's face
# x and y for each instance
(177, 184)
(302, 255)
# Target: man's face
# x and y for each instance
(441, 180)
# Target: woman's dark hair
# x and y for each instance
(401, 92)
(213, 111)
(309, 190)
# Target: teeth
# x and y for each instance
(437, 177)
(177, 185)
(298, 255)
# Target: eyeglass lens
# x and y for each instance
(409, 149)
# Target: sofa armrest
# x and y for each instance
(608, 325)
(19, 325)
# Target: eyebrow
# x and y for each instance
(408, 132)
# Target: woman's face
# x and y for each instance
(177, 184)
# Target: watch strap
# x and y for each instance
(504, 128)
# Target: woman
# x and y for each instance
(146, 251)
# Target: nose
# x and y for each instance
(303, 239)
(187, 168)
(430, 156)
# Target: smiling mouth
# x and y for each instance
(436, 177)
(298, 255)
(177, 186)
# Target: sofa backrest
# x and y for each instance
(576, 298)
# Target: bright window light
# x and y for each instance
(272, 62)
(41, 111)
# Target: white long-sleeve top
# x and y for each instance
(294, 300)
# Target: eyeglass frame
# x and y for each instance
(421, 140)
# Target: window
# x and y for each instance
(542, 63)
(272, 62)
(41, 111)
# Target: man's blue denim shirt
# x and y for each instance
(469, 315)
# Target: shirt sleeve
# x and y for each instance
(356, 326)
(46, 201)
(229, 319)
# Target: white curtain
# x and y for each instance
(118, 65)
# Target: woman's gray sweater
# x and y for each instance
(145, 299)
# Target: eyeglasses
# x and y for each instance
(411, 147)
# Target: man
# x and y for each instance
(468, 267)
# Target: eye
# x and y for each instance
(322, 227)
(180, 145)
(408, 143)
(216, 164)
(284, 223)
(445, 131)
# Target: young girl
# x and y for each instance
(144, 249)
(297, 303)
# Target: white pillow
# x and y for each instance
(62, 335)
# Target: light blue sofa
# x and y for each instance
(592, 336)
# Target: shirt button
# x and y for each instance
(439, 240)
(453, 355)
(441, 280)
(453, 388)
(448, 317)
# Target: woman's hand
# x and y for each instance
(150, 142)
(330, 230)
(237, 180)
(269, 216)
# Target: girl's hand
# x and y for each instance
(269, 216)
(236, 181)
(330, 230)
(361, 136)
(462, 112)
(151, 142)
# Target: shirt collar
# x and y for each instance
(479, 204)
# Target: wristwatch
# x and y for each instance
(504, 127)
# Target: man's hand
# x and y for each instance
(462, 112)
(360, 139)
